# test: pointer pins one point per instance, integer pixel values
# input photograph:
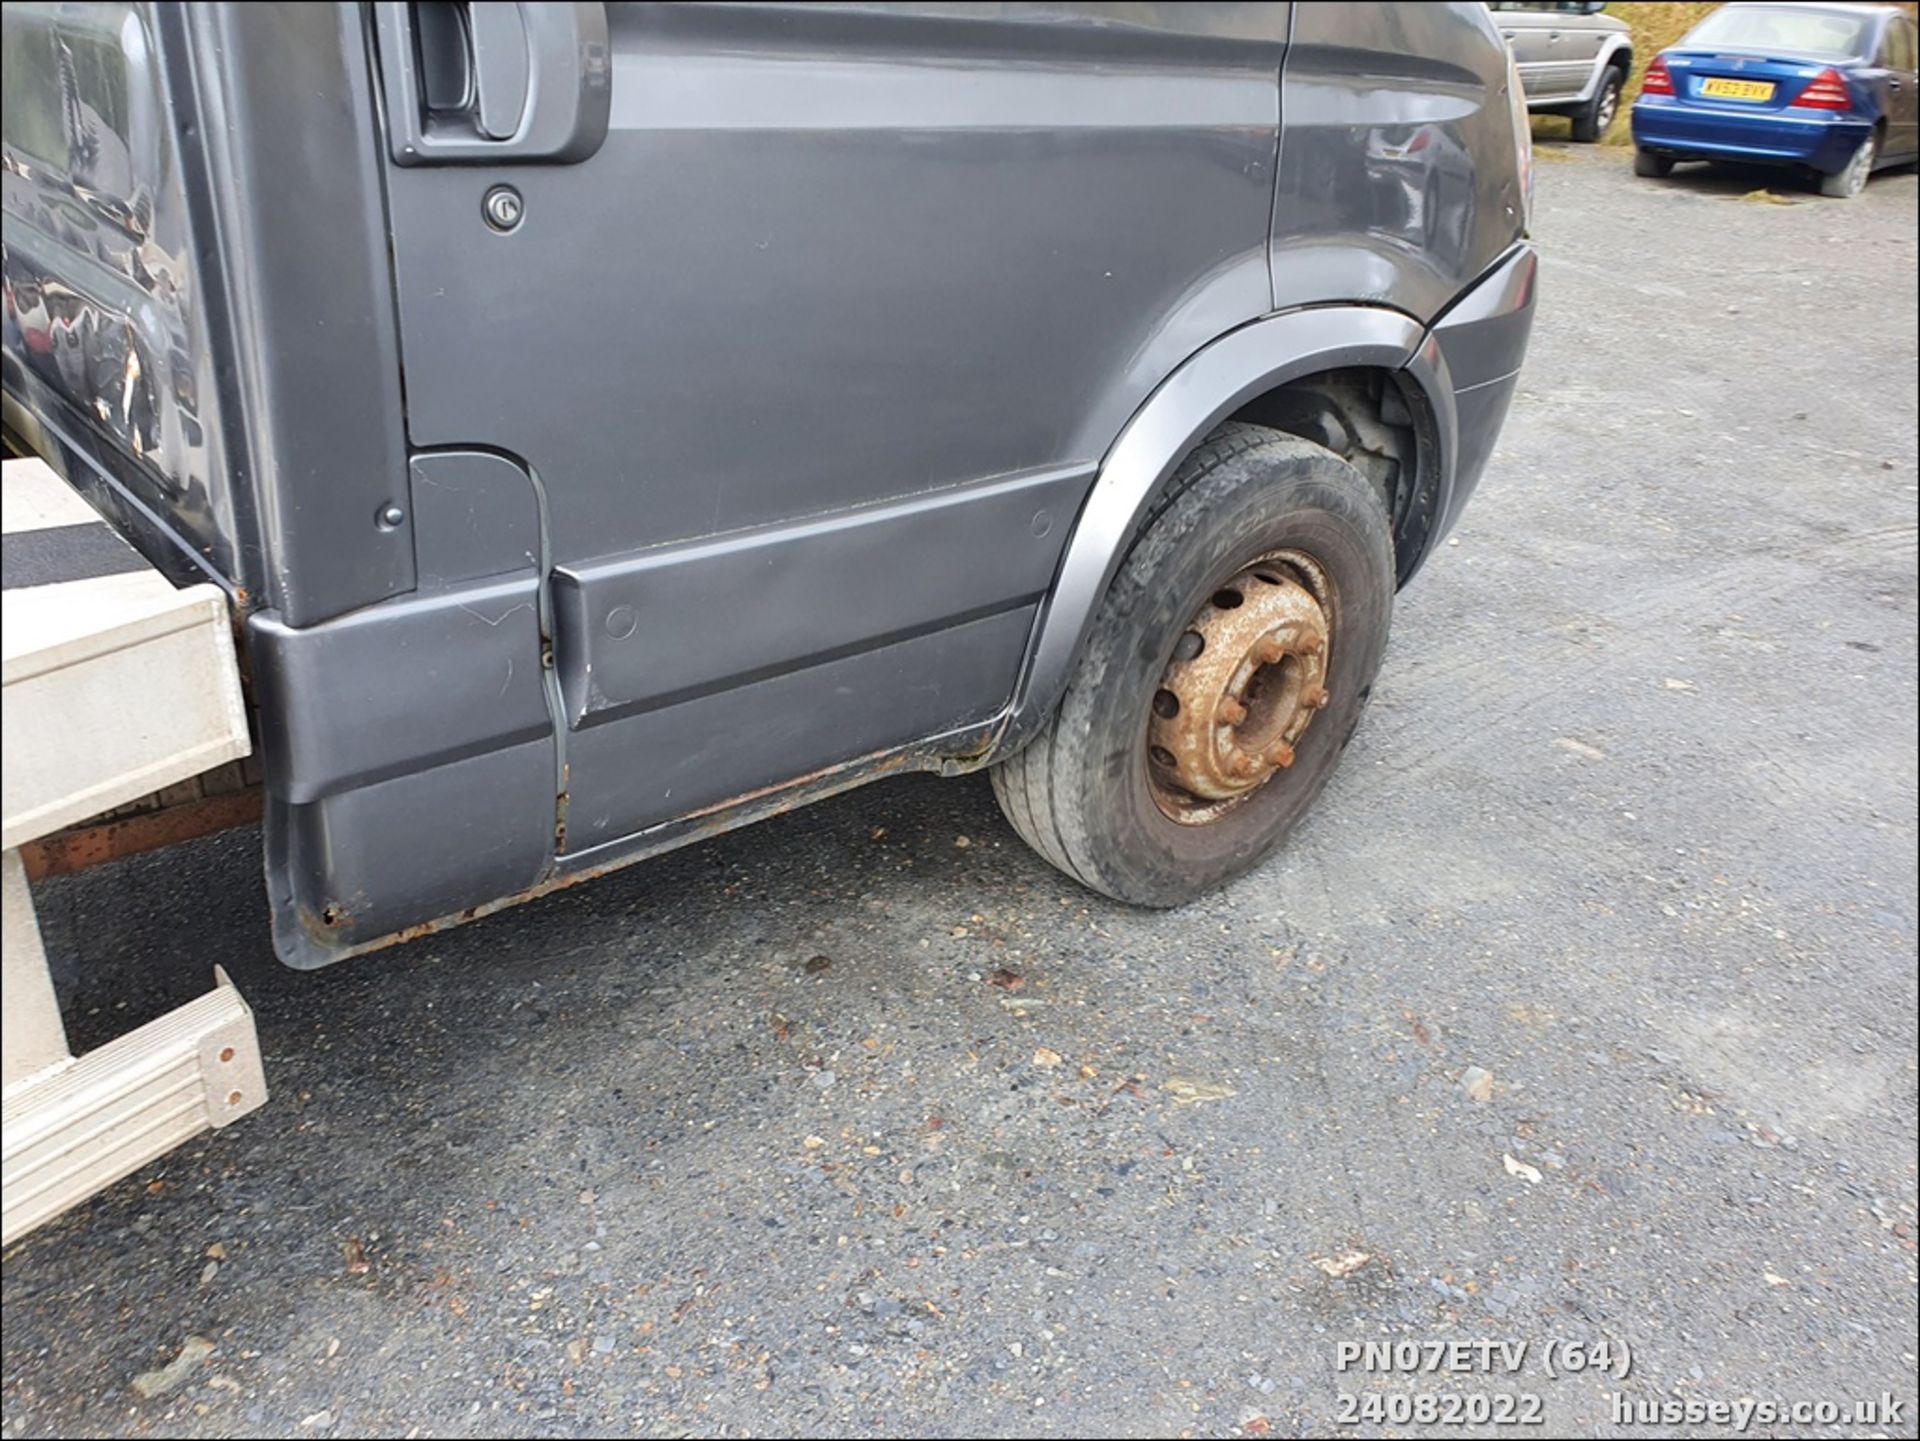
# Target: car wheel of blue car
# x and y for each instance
(1655, 167)
(1845, 184)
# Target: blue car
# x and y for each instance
(1829, 89)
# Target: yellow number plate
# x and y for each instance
(1737, 89)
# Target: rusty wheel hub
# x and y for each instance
(1246, 680)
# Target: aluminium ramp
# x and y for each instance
(116, 683)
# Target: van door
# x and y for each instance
(810, 323)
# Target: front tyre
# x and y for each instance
(1846, 184)
(1224, 674)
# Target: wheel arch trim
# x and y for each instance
(1612, 51)
(1206, 389)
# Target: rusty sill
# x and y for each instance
(80, 847)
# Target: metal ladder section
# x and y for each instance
(116, 684)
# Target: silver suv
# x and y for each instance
(1574, 60)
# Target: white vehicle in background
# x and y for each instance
(1573, 60)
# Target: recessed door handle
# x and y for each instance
(501, 60)
(494, 81)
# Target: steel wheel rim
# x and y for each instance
(1609, 105)
(1229, 712)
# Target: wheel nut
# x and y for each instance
(1311, 645)
(1231, 711)
(1318, 698)
(1281, 754)
(1268, 650)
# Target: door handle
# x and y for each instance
(493, 81)
(497, 39)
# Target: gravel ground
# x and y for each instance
(866, 1121)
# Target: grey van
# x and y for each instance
(615, 423)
